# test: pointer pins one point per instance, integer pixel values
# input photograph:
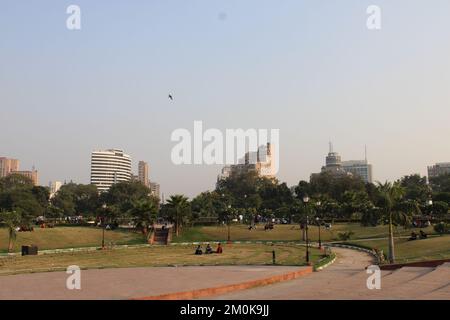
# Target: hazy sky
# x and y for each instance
(309, 68)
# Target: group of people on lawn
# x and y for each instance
(208, 249)
(423, 235)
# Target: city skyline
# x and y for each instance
(433, 170)
(309, 68)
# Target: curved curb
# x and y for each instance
(346, 246)
(327, 264)
(207, 292)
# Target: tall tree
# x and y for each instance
(206, 204)
(416, 188)
(395, 209)
(12, 220)
(144, 213)
(335, 185)
(440, 183)
(17, 193)
(179, 209)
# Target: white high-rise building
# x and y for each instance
(54, 187)
(109, 167)
(360, 168)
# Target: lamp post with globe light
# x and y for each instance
(305, 202)
(318, 203)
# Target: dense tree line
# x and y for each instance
(246, 195)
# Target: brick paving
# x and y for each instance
(346, 279)
(127, 283)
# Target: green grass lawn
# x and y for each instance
(433, 248)
(287, 233)
(235, 254)
(68, 237)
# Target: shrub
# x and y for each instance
(344, 236)
(441, 228)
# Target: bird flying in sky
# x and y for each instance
(170, 97)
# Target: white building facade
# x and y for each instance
(54, 187)
(109, 167)
(261, 161)
(359, 168)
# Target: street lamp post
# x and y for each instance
(318, 224)
(228, 218)
(103, 225)
(305, 201)
(103, 237)
(227, 212)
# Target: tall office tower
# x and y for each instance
(438, 169)
(143, 173)
(31, 174)
(7, 166)
(359, 168)
(109, 167)
(54, 187)
(154, 187)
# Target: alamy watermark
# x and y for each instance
(73, 22)
(234, 146)
(374, 280)
(374, 19)
(73, 282)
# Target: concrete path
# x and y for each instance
(346, 279)
(127, 283)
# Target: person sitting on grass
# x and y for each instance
(413, 236)
(208, 249)
(219, 248)
(198, 251)
(423, 235)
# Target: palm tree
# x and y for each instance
(12, 220)
(179, 208)
(395, 209)
(143, 213)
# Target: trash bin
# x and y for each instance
(29, 250)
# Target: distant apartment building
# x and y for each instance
(7, 166)
(54, 187)
(438, 169)
(30, 174)
(261, 161)
(154, 187)
(109, 167)
(143, 172)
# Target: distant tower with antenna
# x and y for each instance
(332, 161)
(361, 168)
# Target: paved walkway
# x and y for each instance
(346, 279)
(127, 283)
